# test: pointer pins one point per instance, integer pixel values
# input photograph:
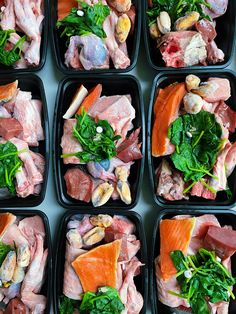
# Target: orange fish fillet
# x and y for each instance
(6, 220)
(97, 268)
(174, 235)
(8, 91)
(166, 109)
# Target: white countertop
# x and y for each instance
(146, 206)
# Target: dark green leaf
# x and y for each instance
(105, 301)
(90, 23)
(4, 250)
(196, 154)
(210, 280)
(96, 146)
(9, 165)
(9, 57)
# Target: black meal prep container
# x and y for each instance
(225, 40)
(43, 46)
(47, 286)
(31, 83)
(162, 80)
(225, 217)
(111, 85)
(141, 281)
(59, 44)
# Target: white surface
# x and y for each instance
(146, 205)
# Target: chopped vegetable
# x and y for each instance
(176, 9)
(9, 57)
(105, 301)
(67, 305)
(9, 165)
(90, 23)
(4, 250)
(90, 99)
(96, 146)
(210, 280)
(195, 155)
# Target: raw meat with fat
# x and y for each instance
(69, 144)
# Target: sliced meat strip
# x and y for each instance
(69, 144)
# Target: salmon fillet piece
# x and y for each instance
(174, 235)
(166, 110)
(8, 91)
(98, 267)
(6, 220)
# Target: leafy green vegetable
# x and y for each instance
(96, 146)
(90, 23)
(198, 138)
(4, 250)
(9, 57)
(105, 301)
(9, 165)
(207, 280)
(176, 9)
(67, 305)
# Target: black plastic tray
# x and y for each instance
(141, 281)
(225, 40)
(31, 83)
(60, 48)
(47, 286)
(163, 80)
(225, 217)
(112, 85)
(43, 47)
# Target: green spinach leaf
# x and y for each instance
(67, 305)
(4, 250)
(9, 57)
(96, 146)
(197, 138)
(105, 301)
(90, 23)
(9, 165)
